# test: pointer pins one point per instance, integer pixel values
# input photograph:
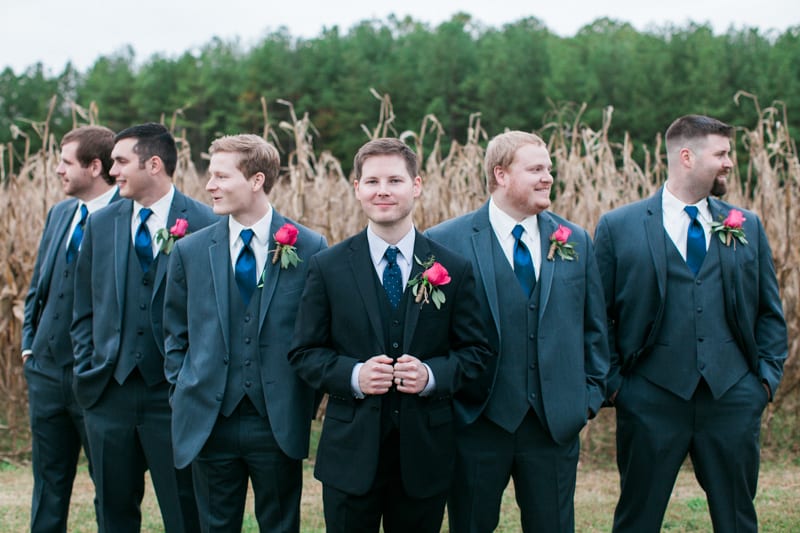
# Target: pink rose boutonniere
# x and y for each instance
(285, 238)
(559, 244)
(425, 286)
(730, 229)
(166, 239)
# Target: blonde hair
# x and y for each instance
(255, 155)
(501, 151)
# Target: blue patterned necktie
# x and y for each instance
(77, 235)
(523, 262)
(392, 277)
(695, 241)
(245, 270)
(143, 242)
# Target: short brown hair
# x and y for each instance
(255, 155)
(386, 146)
(94, 142)
(501, 151)
(690, 128)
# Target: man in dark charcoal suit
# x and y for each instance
(389, 360)
(57, 427)
(239, 410)
(697, 335)
(542, 300)
(117, 334)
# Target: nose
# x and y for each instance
(60, 169)
(114, 172)
(211, 184)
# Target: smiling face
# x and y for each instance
(523, 188)
(135, 180)
(387, 192)
(232, 193)
(75, 178)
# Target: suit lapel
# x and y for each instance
(219, 259)
(423, 251)
(654, 229)
(363, 271)
(547, 269)
(272, 272)
(482, 245)
(59, 243)
(176, 210)
(122, 246)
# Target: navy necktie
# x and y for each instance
(695, 241)
(245, 270)
(143, 242)
(392, 277)
(77, 235)
(523, 262)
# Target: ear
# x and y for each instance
(417, 186)
(499, 175)
(154, 165)
(96, 168)
(686, 157)
(258, 181)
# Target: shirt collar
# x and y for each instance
(377, 246)
(503, 223)
(160, 208)
(673, 207)
(100, 201)
(260, 228)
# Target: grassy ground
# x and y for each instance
(595, 497)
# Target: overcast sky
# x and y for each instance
(56, 31)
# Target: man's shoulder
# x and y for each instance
(453, 227)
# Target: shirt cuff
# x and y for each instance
(26, 353)
(354, 387)
(429, 388)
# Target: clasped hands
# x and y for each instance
(378, 373)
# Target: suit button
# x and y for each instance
(700, 339)
(532, 307)
(698, 281)
(138, 355)
(247, 317)
(219, 397)
(395, 345)
(699, 309)
(247, 340)
(533, 366)
(247, 362)
(142, 307)
(533, 396)
(144, 282)
(247, 383)
(532, 336)
(140, 332)
(395, 322)
(224, 360)
(396, 412)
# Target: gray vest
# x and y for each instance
(138, 347)
(694, 340)
(517, 386)
(51, 344)
(244, 365)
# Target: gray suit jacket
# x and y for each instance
(631, 254)
(571, 341)
(197, 326)
(100, 280)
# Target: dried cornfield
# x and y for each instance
(593, 176)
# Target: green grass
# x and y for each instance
(595, 498)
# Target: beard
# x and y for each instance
(720, 186)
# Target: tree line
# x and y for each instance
(518, 76)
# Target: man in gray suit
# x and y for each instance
(540, 291)
(117, 335)
(57, 428)
(239, 410)
(697, 335)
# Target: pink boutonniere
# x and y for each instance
(559, 244)
(730, 229)
(425, 286)
(285, 251)
(166, 239)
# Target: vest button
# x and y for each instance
(247, 383)
(219, 397)
(247, 317)
(395, 345)
(700, 339)
(225, 360)
(247, 362)
(144, 282)
(532, 307)
(698, 281)
(142, 307)
(395, 322)
(138, 355)
(247, 340)
(699, 309)
(532, 336)
(533, 396)
(140, 332)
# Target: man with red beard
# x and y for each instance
(696, 333)
(541, 298)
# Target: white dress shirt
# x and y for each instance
(259, 244)
(156, 221)
(502, 224)
(676, 220)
